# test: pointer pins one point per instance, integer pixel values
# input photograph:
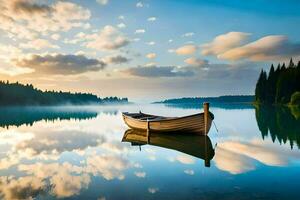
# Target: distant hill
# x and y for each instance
(237, 99)
(19, 94)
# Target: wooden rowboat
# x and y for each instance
(195, 145)
(198, 123)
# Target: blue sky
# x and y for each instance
(146, 50)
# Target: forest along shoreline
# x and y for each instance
(16, 94)
(281, 87)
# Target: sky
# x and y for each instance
(146, 50)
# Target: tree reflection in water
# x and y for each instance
(281, 123)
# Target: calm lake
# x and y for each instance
(78, 153)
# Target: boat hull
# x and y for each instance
(193, 123)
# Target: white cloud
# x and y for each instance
(102, 2)
(139, 4)
(86, 26)
(121, 17)
(189, 34)
(152, 157)
(7, 52)
(196, 62)
(186, 50)
(66, 179)
(108, 166)
(184, 159)
(71, 41)
(152, 19)
(121, 25)
(238, 157)
(136, 39)
(55, 36)
(14, 188)
(151, 43)
(234, 46)
(109, 38)
(151, 64)
(140, 174)
(27, 19)
(273, 47)
(59, 64)
(115, 147)
(189, 42)
(54, 142)
(189, 172)
(170, 40)
(140, 31)
(38, 44)
(232, 162)
(151, 55)
(224, 42)
(137, 165)
(153, 190)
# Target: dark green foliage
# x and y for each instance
(19, 94)
(279, 85)
(280, 123)
(295, 99)
(261, 85)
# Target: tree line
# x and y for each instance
(213, 100)
(19, 94)
(280, 86)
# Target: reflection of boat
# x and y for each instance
(198, 123)
(195, 145)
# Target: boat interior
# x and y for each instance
(145, 117)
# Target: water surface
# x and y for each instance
(78, 153)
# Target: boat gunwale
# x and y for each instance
(167, 119)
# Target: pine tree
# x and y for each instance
(264, 87)
(279, 85)
(291, 63)
(271, 86)
(258, 88)
(283, 67)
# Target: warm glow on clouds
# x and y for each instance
(224, 42)
(274, 47)
(151, 55)
(38, 44)
(233, 46)
(196, 62)
(109, 38)
(26, 19)
(127, 37)
(186, 50)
